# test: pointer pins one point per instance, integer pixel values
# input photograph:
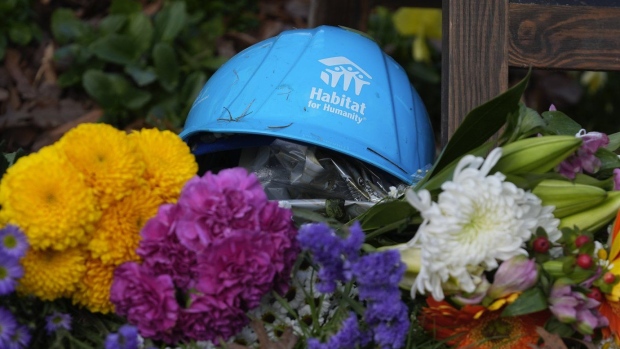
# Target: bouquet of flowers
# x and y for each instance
(112, 240)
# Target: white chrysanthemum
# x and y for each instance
(478, 220)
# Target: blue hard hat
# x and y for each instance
(327, 86)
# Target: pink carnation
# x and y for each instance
(208, 318)
(213, 205)
(162, 252)
(238, 270)
(147, 301)
(278, 222)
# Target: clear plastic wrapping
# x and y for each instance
(293, 171)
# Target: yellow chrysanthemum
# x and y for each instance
(118, 234)
(169, 161)
(50, 274)
(93, 291)
(49, 200)
(107, 158)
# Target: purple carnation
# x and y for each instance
(162, 252)
(10, 272)
(147, 301)
(13, 241)
(238, 270)
(57, 321)
(208, 318)
(213, 205)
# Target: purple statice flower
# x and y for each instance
(348, 337)
(20, 339)
(13, 241)
(145, 300)
(514, 275)
(10, 272)
(575, 308)
(237, 270)
(330, 252)
(213, 205)
(8, 327)
(388, 321)
(57, 321)
(125, 338)
(162, 251)
(584, 160)
(378, 274)
(552, 108)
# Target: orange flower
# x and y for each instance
(610, 305)
(474, 327)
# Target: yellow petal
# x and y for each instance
(418, 21)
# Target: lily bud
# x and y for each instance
(514, 275)
(567, 197)
(596, 217)
(536, 154)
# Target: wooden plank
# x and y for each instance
(564, 37)
(605, 3)
(474, 57)
(348, 13)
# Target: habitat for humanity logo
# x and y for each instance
(340, 71)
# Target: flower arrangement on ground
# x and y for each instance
(113, 240)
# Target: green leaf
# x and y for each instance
(3, 44)
(166, 66)
(522, 124)
(560, 124)
(125, 7)
(530, 301)
(20, 33)
(141, 30)
(447, 172)
(70, 77)
(614, 142)
(66, 26)
(561, 329)
(480, 124)
(609, 160)
(142, 76)
(170, 21)
(134, 98)
(112, 24)
(385, 213)
(102, 87)
(116, 48)
(113, 90)
(192, 86)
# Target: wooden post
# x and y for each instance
(348, 13)
(474, 57)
